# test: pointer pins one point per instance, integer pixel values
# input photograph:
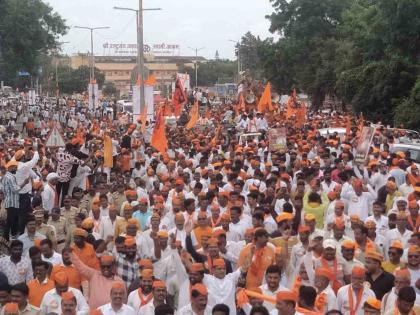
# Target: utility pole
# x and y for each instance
(56, 69)
(140, 46)
(195, 63)
(92, 58)
(238, 45)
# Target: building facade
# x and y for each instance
(122, 70)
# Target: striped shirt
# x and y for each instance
(11, 191)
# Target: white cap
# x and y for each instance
(316, 234)
(134, 203)
(51, 176)
(329, 243)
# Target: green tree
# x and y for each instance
(109, 89)
(76, 81)
(28, 29)
(305, 51)
(247, 49)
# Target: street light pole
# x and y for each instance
(56, 69)
(140, 46)
(239, 55)
(195, 63)
(92, 59)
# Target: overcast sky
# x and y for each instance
(188, 23)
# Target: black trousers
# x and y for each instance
(25, 208)
(62, 190)
(12, 222)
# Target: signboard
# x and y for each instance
(136, 101)
(93, 95)
(277, 139)
(55, 139)
(148, 101)
(163, 49)
(363, 144)
(184, 78)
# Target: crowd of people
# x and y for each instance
(212, 222)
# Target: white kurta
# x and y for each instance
(124, 310)
(343, 300)
(51, 302)
(222, 290)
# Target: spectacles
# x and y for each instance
(413, 256)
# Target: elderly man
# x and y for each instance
(50, 195)
(351, 297)
(116, 305)
(100, 282)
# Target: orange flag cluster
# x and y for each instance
(265, 100)
(194, 114)
(159, 140)
(296, 111)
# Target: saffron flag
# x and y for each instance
(193, 116)
(265, 100)
(159, 141)
(241, 104)
(179, 98)
(108, 161)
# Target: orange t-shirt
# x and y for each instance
(87, 255)
(37, 291)
(125, 162)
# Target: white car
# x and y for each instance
(412, 149)
(325, 132)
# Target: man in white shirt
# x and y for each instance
(117, 305)
(49, 254)
(360, 199)
(159, 297)
(24, 171)
(323, 278)
(198, 305)
(51, 302)
(352, 297)
(49, 195)
(272, 285)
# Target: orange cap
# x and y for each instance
(325, 272)
(130, 241)
(349, 244)
(374, 303)
(402, 273)
(159, 284)
(67, 296)
(61, 278)
(358, 271)
(413, 249)
(303, 229)
(219, 262)
(118, 285)
(196, 267)
(374, 255)
(284, 216)
(88, 223)
(107, 259)
(200, 288)
(397, 244)
(80, 232)
(163, 234)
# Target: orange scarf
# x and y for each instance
(144, 301)
(353, 310)
(335, 283)
(257, 267)
(56, 200)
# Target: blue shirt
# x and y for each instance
(143, 218)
